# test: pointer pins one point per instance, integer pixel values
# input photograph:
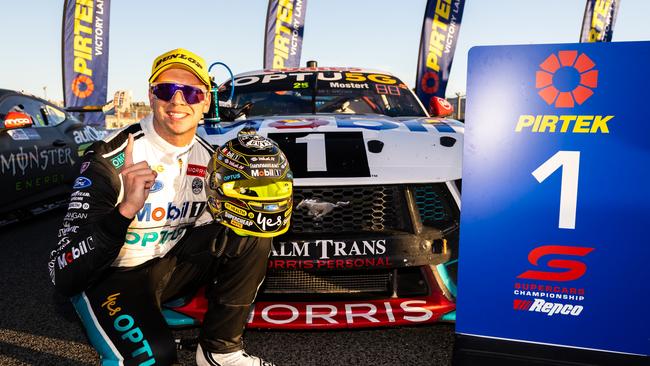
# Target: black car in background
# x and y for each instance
(40, 152)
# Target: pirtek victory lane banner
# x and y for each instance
(554, 235)
(285, 25)
(439, 35)
(85, 55)
(598, 21)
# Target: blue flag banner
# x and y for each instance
(285, 25)
(440, 31)
(554, 235)
(599, 19)
(85, 55)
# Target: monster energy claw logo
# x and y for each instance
(27, 159)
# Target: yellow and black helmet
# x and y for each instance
(250, 186)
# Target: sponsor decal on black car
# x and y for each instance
(87, 134)
(38, 182)
(34, 158)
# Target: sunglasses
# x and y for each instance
(166, 91)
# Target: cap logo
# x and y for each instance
(182, 56)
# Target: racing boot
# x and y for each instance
(238, 358)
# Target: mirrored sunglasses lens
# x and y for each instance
(166, 92)
(192, 94)
(163, 92)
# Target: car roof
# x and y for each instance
(4, 92)
(7, 91)
(312, 69)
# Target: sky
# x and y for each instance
(377, 34)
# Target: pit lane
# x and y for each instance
(38, 327)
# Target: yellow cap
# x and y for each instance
(183, 59)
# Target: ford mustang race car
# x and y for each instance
(40, 147)
(374, 233)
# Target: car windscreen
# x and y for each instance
(348, 92)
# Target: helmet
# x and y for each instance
(250, 186)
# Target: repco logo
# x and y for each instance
(548, 308)
(566, 78)
(574, 269)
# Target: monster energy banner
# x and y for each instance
(85, 55)
(285, 24)
(437, 44)
(599, 19)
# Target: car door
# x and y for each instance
(33, 158)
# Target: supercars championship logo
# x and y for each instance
(545, 290)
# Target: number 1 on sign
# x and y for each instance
(570, 163)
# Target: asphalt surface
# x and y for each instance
(38, 327)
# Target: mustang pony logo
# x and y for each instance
(318, 208)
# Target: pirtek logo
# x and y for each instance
(566, 78)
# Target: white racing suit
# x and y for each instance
(118, 271)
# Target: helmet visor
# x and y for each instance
(259, 190)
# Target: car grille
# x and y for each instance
(359, 208)
(432, 201)
(299, 282)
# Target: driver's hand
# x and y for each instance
(137, 179)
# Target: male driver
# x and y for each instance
(137, 234)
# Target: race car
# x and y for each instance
(40, 149)
(374, 233)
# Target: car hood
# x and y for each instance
(340, 149)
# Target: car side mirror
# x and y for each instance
(15, 120)
(440, 107)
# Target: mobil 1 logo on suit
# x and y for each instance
(555, 203)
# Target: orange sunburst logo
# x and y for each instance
(566, 78)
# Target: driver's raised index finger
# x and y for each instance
(128, 152)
